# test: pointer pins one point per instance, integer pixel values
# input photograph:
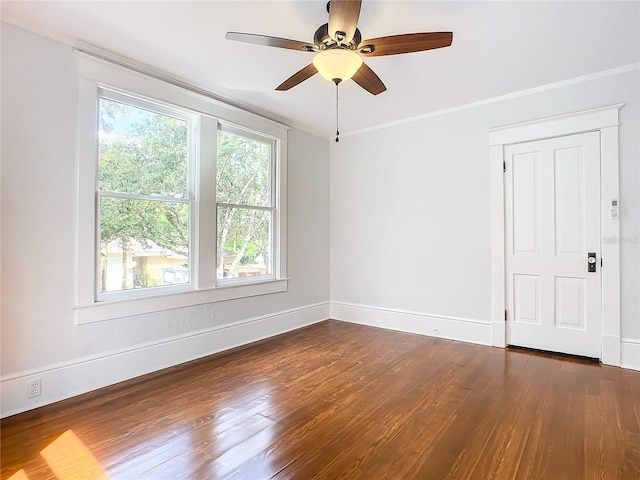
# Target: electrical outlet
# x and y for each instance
(35, 388)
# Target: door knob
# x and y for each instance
(591, 262)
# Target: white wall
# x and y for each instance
(39, 337)
(410, 213)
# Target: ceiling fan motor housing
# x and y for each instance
(322, 39)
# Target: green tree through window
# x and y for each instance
(144, 208)
(245, 205)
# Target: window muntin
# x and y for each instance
(144, 202)
(245, 206)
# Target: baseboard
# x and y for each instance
(451, 328)
(84, 375)
(630, 353)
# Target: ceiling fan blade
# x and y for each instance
(367, 79)
(271, 41)
(407, 43)
(298, 77)
(343, 18)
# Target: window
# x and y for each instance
(144, 194)
(181, 199)
(245, 206)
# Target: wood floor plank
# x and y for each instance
(339, 400)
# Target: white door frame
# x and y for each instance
(603, 120)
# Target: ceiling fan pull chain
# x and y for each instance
(337, 118)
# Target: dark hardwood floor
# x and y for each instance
(337, 400)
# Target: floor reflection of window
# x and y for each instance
(243, 431)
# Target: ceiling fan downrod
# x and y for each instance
(337, 82)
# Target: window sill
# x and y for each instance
(100, 311)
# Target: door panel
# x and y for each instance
(569, 194)
(527, 298)
(526, 204)
(570, 302)
(552, 219)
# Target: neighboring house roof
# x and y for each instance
(148, 248)
(229, 253)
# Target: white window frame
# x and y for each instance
(234, 129)
(192, 121)
(96, 74)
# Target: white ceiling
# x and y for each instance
(498, 48)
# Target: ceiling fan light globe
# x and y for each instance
(337, 63)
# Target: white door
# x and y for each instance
(552, 220)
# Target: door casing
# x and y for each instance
(606, 121)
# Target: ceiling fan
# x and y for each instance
(339, 48)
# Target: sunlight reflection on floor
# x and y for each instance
(19, 475)
(69, 458)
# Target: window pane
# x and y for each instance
(141, 152)
(244, 242)
(143, 243)
(243, 170)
